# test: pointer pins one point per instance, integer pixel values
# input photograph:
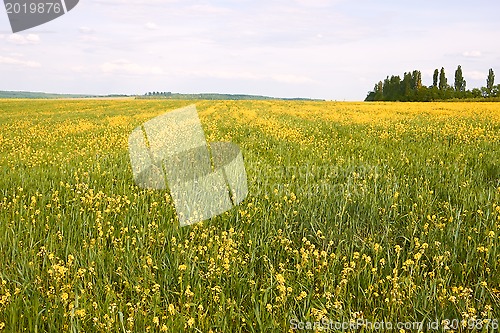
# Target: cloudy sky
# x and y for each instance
(329, 49)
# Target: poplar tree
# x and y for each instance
(490, 81)
(459, 80)
(443, 83)
(435, 78)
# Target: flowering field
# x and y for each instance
(357, 212)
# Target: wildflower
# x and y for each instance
(80, 313)
(188, 291)
(301, 296)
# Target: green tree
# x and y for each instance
(490, 81)
(416, 80)
(459, 80)
(406, 87)
(435, 78)
(443, 82)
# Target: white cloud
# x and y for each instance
(18, 62)
(23, 39)
(80, 69)
(249, 75)
(151, 26)
(293, 79)
(472, 54)
(89, 39)
(125, 67)
(309, 48)
(86, 30)
(475, 75)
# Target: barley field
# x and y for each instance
(356, 213)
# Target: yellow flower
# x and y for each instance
(171, 309)
(182, 267)
(301, 296)
(80, 313)
(188, 291)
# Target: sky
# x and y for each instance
(326, 49)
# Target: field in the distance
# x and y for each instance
(385, 212)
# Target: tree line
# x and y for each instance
(410, 88)
(215, 96)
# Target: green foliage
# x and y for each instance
(410, 88)
(490, 81)
(443, 82)
(459, 80)
(435, 78)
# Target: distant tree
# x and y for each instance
(386, 89)
(495, 92)
(459, 80)
(410, 87)
(393, 89)
(377, 94)
(379, 88)
(484, 92)
(443, 82)
(490, 81)
(435, 78)
(416, 80)
(476, 93)
(406, 87)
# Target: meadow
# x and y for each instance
(357, 212)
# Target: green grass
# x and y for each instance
(393, 222)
